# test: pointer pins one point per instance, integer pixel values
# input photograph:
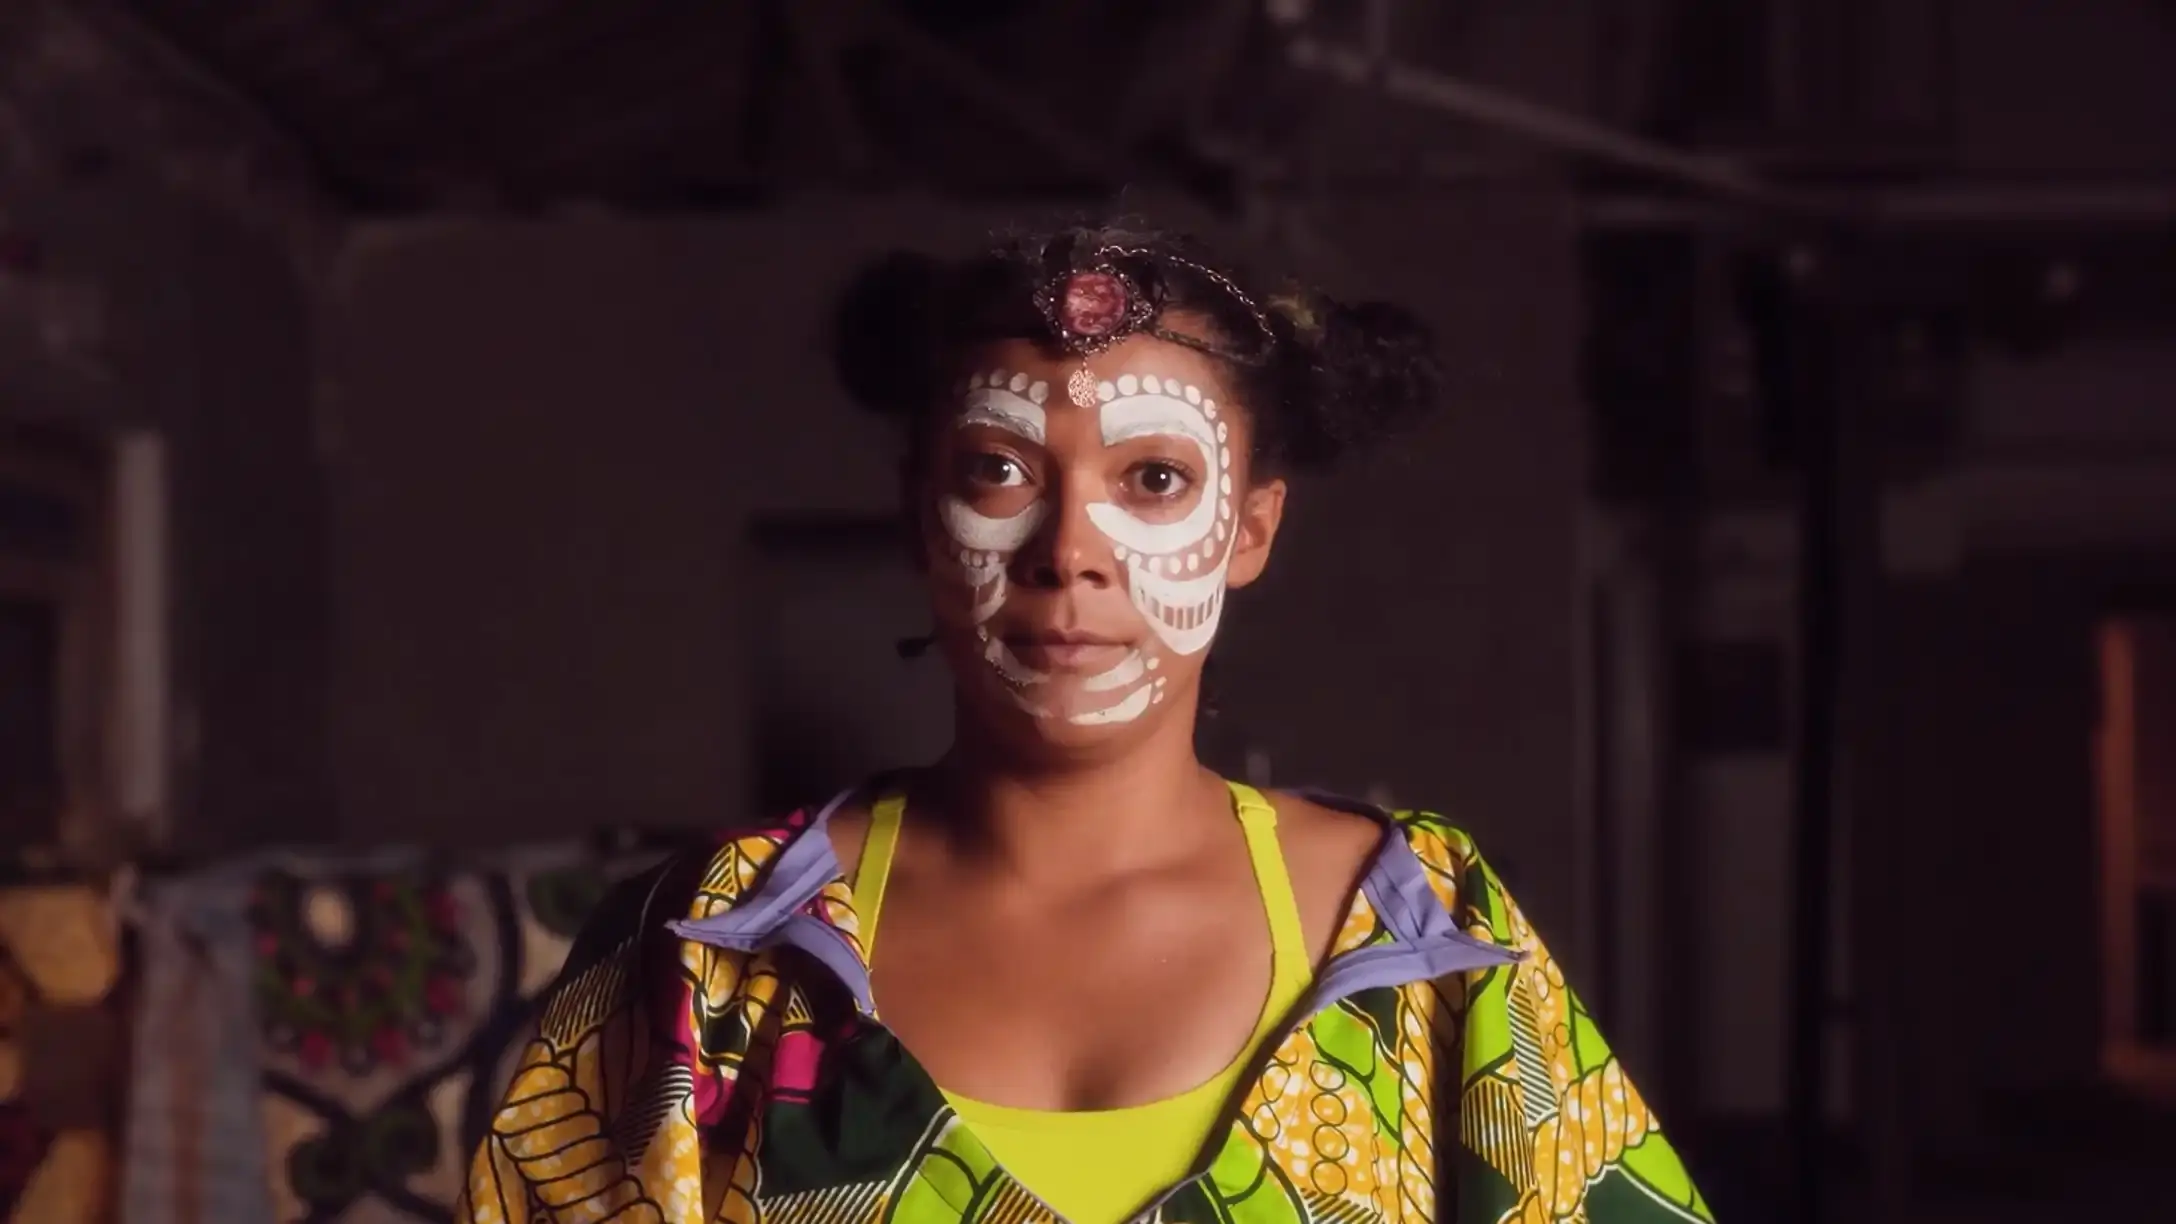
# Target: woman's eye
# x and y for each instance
(1159, 480)
(995, 471)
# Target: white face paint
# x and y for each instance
(986, 545)
(1175, 572)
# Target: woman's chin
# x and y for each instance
(1088, 712)
(1058, 718)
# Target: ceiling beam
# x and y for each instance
(1546, 126)
(819, 31)
(1955, 204)
(1088, 155)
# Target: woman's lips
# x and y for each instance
(1064, 653)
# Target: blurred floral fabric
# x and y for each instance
(362, 1018)
(59, 964)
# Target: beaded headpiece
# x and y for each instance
(1092, 297)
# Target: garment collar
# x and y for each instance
(800, 897)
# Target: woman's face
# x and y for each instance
(1081, 520)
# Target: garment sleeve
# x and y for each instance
(558, 1128)
(1550, 1126)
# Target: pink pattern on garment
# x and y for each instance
(793, 1068)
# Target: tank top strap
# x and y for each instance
(1294, 966)
(876, 866)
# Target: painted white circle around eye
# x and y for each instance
(979, 534)
(1193, 394)
(1106, 392)
(1138, 416)
(1019, 383)
(1152, 384)
(1128, 385)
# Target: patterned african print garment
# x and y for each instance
(711, 1053)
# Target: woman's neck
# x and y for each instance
(1068, 817)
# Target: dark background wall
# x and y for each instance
(464, 501)
(569, 650)
(208, 342)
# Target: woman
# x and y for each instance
(1110, 983)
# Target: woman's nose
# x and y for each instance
(1067, 549)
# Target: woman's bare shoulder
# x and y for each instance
(1334, 832)
(848, 826)
(1328, 851)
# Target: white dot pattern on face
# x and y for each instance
(992, 399)
(1184, 611)
(1175, 569)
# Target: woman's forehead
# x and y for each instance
(1135, 359)
(1065, 384)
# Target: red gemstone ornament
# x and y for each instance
(1091, 306)
(1095, 305)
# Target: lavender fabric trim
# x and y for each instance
(1397, 886)
(771, 916)
(811, 935)
(1427, 942)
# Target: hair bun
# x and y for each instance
(883, 334)
(1376, 371)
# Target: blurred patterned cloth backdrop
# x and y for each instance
(320, 1039)
(59, 1054)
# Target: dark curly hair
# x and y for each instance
(1317, 376)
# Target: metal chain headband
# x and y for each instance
(1101, 295)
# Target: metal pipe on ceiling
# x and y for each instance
(1958, 203)
(1545, 125)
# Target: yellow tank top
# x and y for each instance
(1098, 1167)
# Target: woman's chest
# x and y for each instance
(1108, 1003)
(1341, 1118)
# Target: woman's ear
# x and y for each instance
(1259, 515)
